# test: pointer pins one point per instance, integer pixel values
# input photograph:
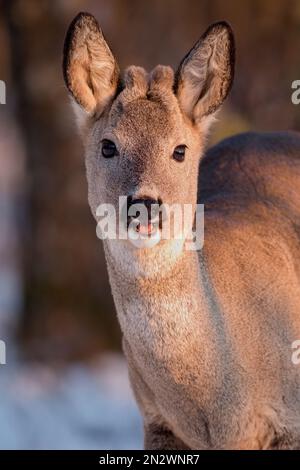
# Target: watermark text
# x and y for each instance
(2, 92)
(2, 353)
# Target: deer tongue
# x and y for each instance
(145, 229)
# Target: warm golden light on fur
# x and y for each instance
(207, 335)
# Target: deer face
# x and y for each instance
(144, 148)
(144, 133)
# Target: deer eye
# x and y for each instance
(179, 153)
(108, 149)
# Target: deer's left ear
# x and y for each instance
(90, 70)
(205, 75)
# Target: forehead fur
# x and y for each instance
(140, 87)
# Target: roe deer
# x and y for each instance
(207, 334)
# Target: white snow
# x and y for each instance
(81, 407)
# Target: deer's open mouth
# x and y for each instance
(145, 228)
(144, 216)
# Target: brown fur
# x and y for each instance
(207, 335)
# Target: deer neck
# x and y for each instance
(160, 311)
(174, 330)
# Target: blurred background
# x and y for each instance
(65, 382)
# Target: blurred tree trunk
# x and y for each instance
(19, 103)
(12, 181)
(61, 311)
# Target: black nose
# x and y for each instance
(152, 206)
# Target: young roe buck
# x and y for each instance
(207, 334)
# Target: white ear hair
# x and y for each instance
(81, 115)
(205, 75)
(90, 70)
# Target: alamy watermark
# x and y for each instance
(2, 353)
(295, 97)
(146, 226)
(2, 92)
(296, 352)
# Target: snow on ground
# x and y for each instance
(81, 407)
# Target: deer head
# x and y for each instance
(144, 133)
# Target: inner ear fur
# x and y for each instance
(205, 75)
(90, 70)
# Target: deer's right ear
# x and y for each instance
(90, 70)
